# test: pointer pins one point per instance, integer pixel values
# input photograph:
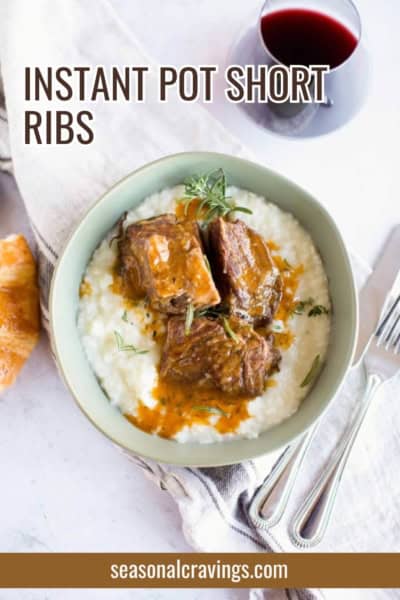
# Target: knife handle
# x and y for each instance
(269, 503)
(311, 521)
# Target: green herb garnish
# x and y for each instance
(318, 309)
(215, 312)
(189, 318)
(301, 306)
(122, 347)
(312, 373)
(211, 409)
(211, 191)
(228, 330)
(125, 316)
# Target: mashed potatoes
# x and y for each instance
(107, 324)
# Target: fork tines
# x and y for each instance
(388, 332)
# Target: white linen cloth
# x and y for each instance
(59, 184)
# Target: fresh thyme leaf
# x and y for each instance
(120, 341)
(125, 316)
(241, 209)
(211, 409)
(219, 185)
(122, 347)
(301, 306)
(312, 373)
(228, 330)
(210, 189)
(189, 318)
(318, 309)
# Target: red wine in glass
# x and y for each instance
(300, 36)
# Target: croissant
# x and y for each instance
(19, 307)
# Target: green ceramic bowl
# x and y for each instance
(124, 196)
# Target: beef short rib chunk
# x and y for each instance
(209, 357)
(248, 281)
(162, 258)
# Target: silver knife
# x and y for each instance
(373, 294)
(270, 501)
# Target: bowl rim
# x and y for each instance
(249, 455)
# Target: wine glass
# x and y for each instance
(313, 32)
(346, 85)
(309, 32)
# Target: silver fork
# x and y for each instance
(381, 363)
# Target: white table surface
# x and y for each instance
(64, 491)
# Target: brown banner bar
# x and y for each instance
(199, 570)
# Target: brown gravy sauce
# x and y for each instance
(184, 404)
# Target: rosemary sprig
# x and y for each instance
(229, 331)
(318, 309)
(214, 312)
(123, 347)
(210, 189)
(312, 373)
(211, 409)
